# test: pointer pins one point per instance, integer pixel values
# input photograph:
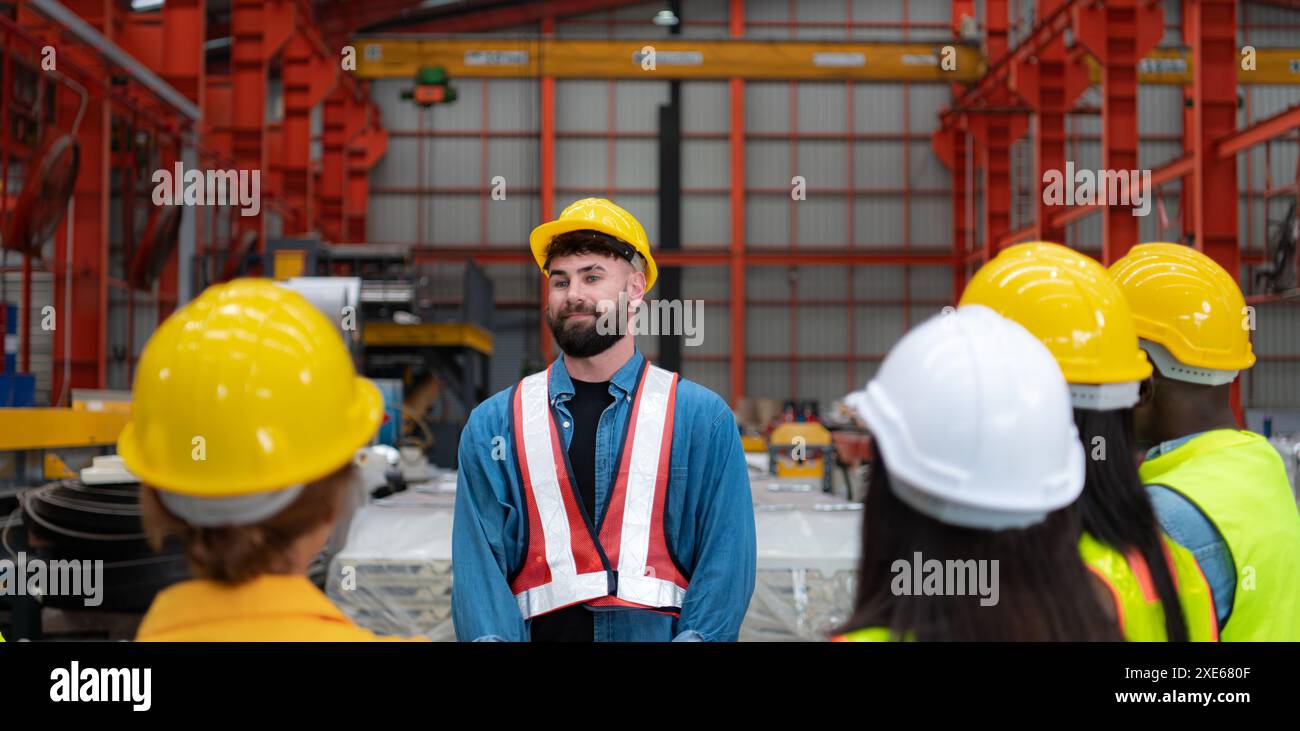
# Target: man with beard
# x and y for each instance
(603, 499)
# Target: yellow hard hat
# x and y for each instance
(596, 214)
(1184, 301)
(247, 389)
(1067, 300)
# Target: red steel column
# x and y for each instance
(954, 145)
(994, 130)
(547, 194)
(961, 223)
(369, 143)
(1212, 25)
(1051, 100)
(307, 78)
(333, 141)
(1214, 115)
(258, 29)
(1119, 33)
(736, 143)
(184, 31)
(1187, 203)
(85, 356)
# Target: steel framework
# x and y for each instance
(175, 99)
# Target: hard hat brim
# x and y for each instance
(1186, 353)
(356, 427)
(1139, 369)
(540, 240)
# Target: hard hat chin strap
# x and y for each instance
(210, 512)
(1171, 367)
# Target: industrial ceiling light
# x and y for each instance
(666, 18)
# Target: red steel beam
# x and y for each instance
(1171, 170)
(1261, 131)
(935, 256)
(999, 69)
(479, 21)
(340, 19)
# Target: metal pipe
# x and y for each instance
(56, 11)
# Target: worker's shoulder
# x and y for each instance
(493, 411)
(703, 402)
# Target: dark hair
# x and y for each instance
(1045, 592)
(1116, 509)
(587, 241)
(235, 554)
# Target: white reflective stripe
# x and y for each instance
(561, 592)
(536, 429)
(643, 468)
(650, 591)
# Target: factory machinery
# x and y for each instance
(419, 350)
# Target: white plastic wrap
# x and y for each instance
(808, 546)
(394, 574)
(1288, 445)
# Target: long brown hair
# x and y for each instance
(1045, 592)
(235, 554)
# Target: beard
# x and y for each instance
(581, 338)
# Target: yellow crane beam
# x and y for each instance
(384, 57)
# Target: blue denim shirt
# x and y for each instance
(1188, 526)
(708, 518)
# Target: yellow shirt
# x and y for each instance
(269, 608)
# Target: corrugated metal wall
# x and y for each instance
(431, 186)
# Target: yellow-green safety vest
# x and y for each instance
(1141, 615)
(866, 634)
(1239, 483)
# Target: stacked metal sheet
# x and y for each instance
(808, 545)
(393, 576)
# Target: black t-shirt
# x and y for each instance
(575, 624)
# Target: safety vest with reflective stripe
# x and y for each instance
(867, 634)
(627, 561)
(1141, 615)
(1238, 481)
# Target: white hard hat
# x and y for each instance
(973, 418)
